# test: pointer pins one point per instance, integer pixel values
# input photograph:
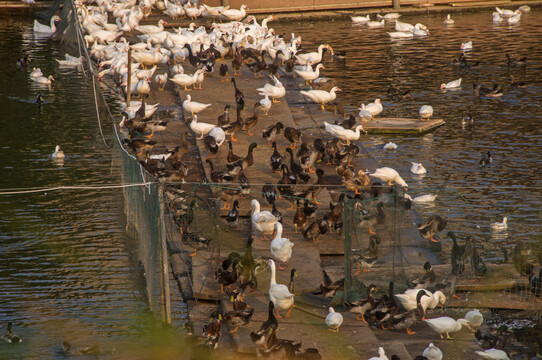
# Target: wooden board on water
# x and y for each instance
(205, 285)
(480, 3)
(401, 126)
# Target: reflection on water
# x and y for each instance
(67, 271)
(471, 197)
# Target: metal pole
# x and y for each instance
(166, 301)
(129, 81)
(396, 4)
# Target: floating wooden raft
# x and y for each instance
(401, 126)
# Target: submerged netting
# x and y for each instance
(142, 203)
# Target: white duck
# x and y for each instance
(234, 14)
(334, 320)
(58, 154)
(432, 352)
(273, 91)
(420, 30)
(219, 134)
(403, 26)
(71, 60)
(426, 111)
(446, 325)
(493, 354)
(321, 96)
(448, 20)
(360, 19)
(514, 19)
(505, 13)
(200, 128)
(281, 248)
(417, 169)
(344, 134)
(374, 108)
(152, 29)
(263, 221)
(44, 29)
(279, 293)
(388, 174)
(44, 80)
(36, 72)
(401, 35)
(310, 75)
(431, 301)
(475, 318)
(186, 79)
(143, 87)
(141, 74)
(134, 107)
(161, 80)
(497, 17)
(451, 85)
(424, 199)
(381, 355)
(390, 146)
(389, 16)
(375, 24)
(265, 104)
(313, 57)
(466, 46)
(193, 107)
(500, 226)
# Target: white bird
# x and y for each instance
(273, 91)
(426, 111)
(374, 108)
(281, 248)
(58, 154)
(313, 57)
(389, 16)
(365, 116)
(420, 30)
(186, 79)
(265, 104)
(71, 60)
(424, 199)
(390, 146)
(505, 13)
(279, 293)
(375, 24)
(36, 72)
(44, 80)
(401, 35)
(200, 128)
(152, 29)
(161, 79)
(321, 96)
(360, 19)
(193, 107)
(219, 134)
(381, 355)
(44, 29)
(418, 169)
(141, 74)
(388, 174)
(431, 301)
(143, 87)
(475, 318)
(500, 226)
(334, 320)
(432, 352)
(342, 133)
(497, 17)
(234, 14)
(263, 221)
(451, 85)
(493, 354)
(448, 20)
(466, 46)
(514, 19)
(310, 75)
(402, 26)
(446, 325)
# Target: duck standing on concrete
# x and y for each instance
(432, 225)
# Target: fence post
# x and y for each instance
(396, 4)
(166, 301)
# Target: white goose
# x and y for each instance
(151, 29)
(310, 75)
(448, 20)
(273, 91)
(279, 293)
(426, 111)
(451, 85)
(234, 14)
(360, 19)
(44, 80)
(493, 354)
(321, 96)
(334, 320)
(200, 128)
(374, 108)
(58, 154)
(44, 29)
(432, 352)
(344, 134)
(193, 107)
(446, 325)
(408, 299)
(390, 175)
(313, 57)
(418, 169)
(281, 248)
(263, 221)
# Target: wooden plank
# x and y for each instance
(479, 3)
(205, 285)
(401, 126)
